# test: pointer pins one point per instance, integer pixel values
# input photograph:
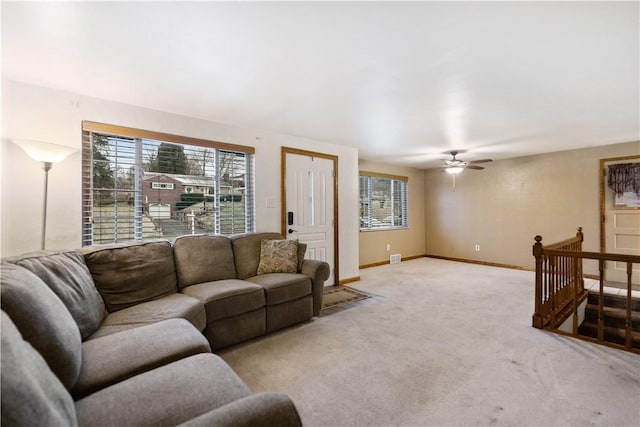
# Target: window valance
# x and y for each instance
(624, 177)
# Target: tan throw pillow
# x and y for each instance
(278, 256)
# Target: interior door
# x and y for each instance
(309, 188)
(622, 231)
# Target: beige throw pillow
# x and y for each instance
(278, 256)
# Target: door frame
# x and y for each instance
(603, 207)
(283, 198)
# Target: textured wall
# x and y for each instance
(503, 207)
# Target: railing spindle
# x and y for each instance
(575, 295)
(553, 291)
(601, 302)
(628, 324)
(547, 288)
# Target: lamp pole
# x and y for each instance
(47, 153)
(47, 167)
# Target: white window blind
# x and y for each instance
(140, 185)
(383, 201)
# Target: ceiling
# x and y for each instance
(402, 82)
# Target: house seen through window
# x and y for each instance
(140, 185)
(383, 201)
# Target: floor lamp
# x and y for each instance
(48, 154)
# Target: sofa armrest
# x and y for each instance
(318, 271)
(260, 409)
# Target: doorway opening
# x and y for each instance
(619, 223)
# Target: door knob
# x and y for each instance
(291, 230)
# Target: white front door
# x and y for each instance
(309, 187)
(622, 231)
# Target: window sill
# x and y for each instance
(367, 230)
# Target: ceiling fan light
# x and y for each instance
(454, 170)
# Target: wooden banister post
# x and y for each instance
(580, 236)
(537, 320)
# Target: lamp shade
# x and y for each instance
(45, 151)
(454, 170)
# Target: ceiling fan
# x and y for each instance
(455, 166)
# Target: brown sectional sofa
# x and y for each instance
(111, 335)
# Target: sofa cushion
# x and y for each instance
(175, 306)
(116, 357)
(164, 396)
(42, 320)
(283, 287)
(264, 409)
(31, 394)
(283, 315)
(246, 252)
(278, 256)
(203, 258)
(132, 273)
(227, 298)
(69, 278)
(233, 330)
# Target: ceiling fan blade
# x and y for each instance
(480, 161)
(478, 168)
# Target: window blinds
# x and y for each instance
(383, 201)
(139, 185)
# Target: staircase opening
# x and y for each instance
(614, 316)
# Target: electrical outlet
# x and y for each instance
(477, 248)
(388, 247)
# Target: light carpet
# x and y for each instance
(442, 344)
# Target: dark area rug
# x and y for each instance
(341, 296)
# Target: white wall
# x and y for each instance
(31, 112)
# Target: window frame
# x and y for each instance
(404, 200)
(162, 185)
(89, 128)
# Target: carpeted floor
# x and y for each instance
(442, 344)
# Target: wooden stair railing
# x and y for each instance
(559, 282)
(560, 285)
